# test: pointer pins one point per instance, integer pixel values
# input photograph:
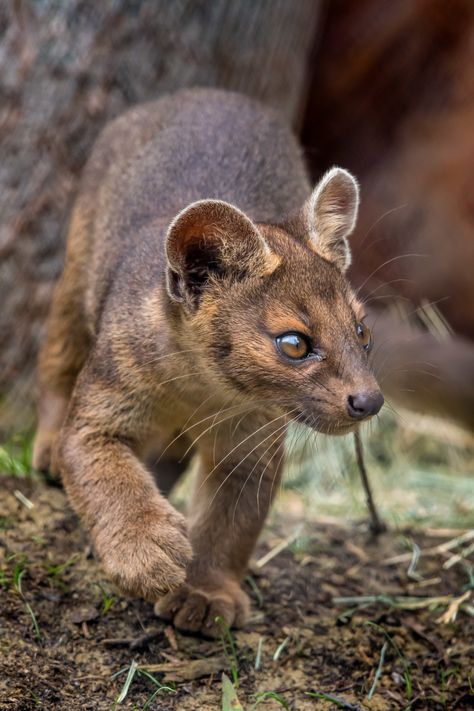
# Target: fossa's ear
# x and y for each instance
(330, 215)
(211, 239)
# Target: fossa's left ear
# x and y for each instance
(330, 214)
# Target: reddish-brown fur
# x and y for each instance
(161, 338)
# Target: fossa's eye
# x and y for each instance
(365, 337)
(295, 346)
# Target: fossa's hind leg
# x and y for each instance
(63, 353)
(168, 461)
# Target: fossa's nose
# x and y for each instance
(364, 404)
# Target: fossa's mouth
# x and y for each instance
(325, 426)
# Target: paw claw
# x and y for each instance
(205, 611)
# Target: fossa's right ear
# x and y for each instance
(211, 240)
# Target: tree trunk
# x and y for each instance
(69, 67)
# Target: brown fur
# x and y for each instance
(162, 333)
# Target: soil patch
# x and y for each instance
(336, 621)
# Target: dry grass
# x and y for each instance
(421, 471)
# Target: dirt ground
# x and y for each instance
(404, 639)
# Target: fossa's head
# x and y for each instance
(270, 306)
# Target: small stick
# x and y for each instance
(22, 499)
(133, 642)
(376, 524)
(279, 548)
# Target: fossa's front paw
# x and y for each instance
(148, 559)
(204, 609)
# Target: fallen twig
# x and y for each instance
(132, 642)
(23, 499)
(279, 548)
(336, 700)
(441, 548)
(453, 608)
(402, 602)
(187, 669)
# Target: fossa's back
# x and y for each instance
(196, 144)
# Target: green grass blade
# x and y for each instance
(131, 673)
(230, 701)
(271, 695)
